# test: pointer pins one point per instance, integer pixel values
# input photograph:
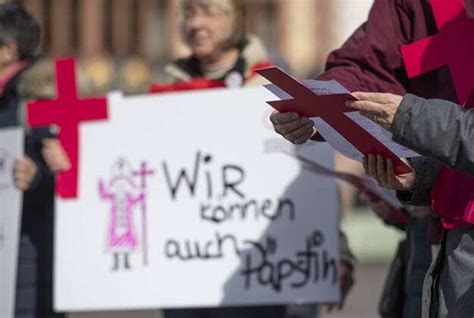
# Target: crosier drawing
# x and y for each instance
(126, 193)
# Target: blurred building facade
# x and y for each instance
(125, 43)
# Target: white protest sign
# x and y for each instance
(182, 203)
(11, 147)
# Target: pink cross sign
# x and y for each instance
(452, 47)
(67, 112)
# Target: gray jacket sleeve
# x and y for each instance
(438, 129)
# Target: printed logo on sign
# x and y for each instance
(126, 193)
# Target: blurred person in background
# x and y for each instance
(225, 55)
(34, 171)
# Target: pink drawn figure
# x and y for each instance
(125, 197)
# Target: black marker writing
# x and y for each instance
(193, 249)
(191, 180)
(313, 264)
(249, 210)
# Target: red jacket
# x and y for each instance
(201, 82)
(371, 61)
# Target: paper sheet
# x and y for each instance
(326, 87)
(336, 140)
(382, 135)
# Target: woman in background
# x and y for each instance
(223, 54)
(22, 78)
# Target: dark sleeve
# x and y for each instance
(437, 128)
(44, 178)
(397, 218)
(370, 60)
(346, 254)
(31, 150)
(426, 170)
(398, 226)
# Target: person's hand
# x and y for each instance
(293, 127)
(55, 156)
(24, 172)
(346, 278)
(382, 171)
(378, 107)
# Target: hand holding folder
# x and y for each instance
(345, 129)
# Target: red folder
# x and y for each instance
(330, 108)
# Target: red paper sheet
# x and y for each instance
(331, 109)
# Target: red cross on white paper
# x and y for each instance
(67, 111)
(453, 46)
